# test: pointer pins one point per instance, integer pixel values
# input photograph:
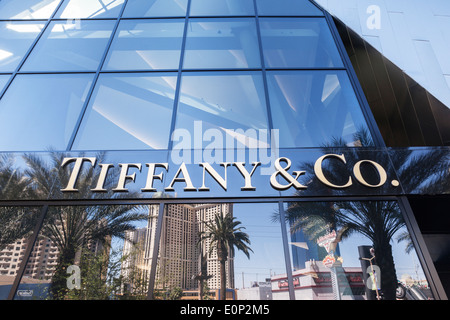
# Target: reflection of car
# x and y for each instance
(411, 292)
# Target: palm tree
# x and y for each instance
(73, 228)
(15, 222)
(377, 220)
(225, 233)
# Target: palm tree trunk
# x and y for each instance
(385, 260)
(58, 286)
(221, 254)
(223, 280)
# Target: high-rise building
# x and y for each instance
(180, 248)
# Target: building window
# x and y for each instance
(70, 46)
(45, 116)
(134, 111)
(146, 45)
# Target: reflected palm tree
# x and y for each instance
(377, 220)
(15, 222)
(74, 228)
(225, 233)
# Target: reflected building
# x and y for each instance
(180, 253)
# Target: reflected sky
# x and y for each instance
(27, 9)
(15, 40)
(130, 111)
(222, 8)
(221, 43)
(146, 45)
(155, 8)
(45, 116)
(313, 109)
(70, 46)
(72, 9)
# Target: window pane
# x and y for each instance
(16, 39)
(222, 101)
(73, 46)
(355, 250)
(71, 9)
(146, 45)
(45, 116)
(16, 227)
(109, 266)
(298, 42)
(222, 8)
(155, 8)
(3, 80)
(222, 43)
(189, 261)
(316, 108)
(133, 112)
(27, 9)
(287, 8)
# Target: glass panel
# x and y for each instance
(98, 258)
(222, 43)
(45, 116)
(222, 8)
(83, 9)
(222, 102)
(287, 8)
(16, 39)
(27, 9)
(146, 45)
(3, 80)
(356, 250)
(70, 46)
(298, 43)
(190, 264)
(155, 8)
(316, 109)
(131, 111)
(16, 227)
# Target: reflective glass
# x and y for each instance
(100, 257)
(27, 9)
(221, 104)
(189, 261)
(222, 43)
(16, 227)
(354, 250)
(287, 8)
(16, 39)
(145, 45)
(84, 9)
(316, 108)
(70, 46)
(297, 43)
(129, 112)
(45, 116)
(222, 8)
(3, 80)
(155, 8)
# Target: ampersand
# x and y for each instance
(288, 177)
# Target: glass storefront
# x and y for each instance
(198, 150)
(302, 250)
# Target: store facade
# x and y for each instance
(132, 130)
